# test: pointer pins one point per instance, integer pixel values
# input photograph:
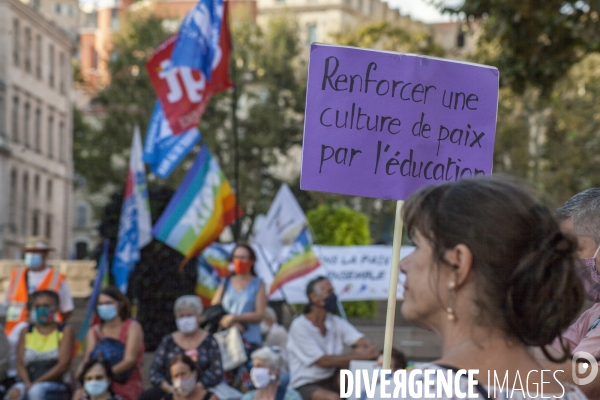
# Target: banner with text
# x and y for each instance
(356, 272)
(382, 124)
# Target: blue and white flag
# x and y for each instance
(135, 224)
(197, 43)
(163, 151)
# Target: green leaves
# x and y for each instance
(539, 40)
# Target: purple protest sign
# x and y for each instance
(381, 124)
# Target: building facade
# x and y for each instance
(321, 20)
(36, 166)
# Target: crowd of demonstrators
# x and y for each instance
(481, 245)
(244, 298)
(189, 339)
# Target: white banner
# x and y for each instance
(356, 272)
(283, 223)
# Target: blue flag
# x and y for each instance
(135, 224)
(197, 43)
(163, 151)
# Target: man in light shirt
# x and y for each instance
(316, 343)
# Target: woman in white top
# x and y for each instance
(491, 275)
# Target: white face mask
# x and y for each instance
(187, 324)
(261, 377)
(185, 386)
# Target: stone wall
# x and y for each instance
(80, 275)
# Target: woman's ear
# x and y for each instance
(461, 260)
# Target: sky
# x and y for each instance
(419, 10)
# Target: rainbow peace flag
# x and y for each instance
(217, 258)
(300, 261)
(200, 209)
(207, 283)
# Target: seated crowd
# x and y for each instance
(235, 349)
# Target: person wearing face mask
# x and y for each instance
(316, 342)
(580, 217)
(244, 297)
(120, 340)
(185, 379)
(189, 339)
(265, 374)
(36, 276)
(43, 351)
(96, 379)
(273, 333)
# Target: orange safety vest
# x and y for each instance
(18, 295)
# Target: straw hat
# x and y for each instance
(37, 243)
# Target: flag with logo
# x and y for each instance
(184, 91)
(299, 261)
(163, 151)
(284, 221)
(200, 209)
(197, 45)
(135, 224)
(99, 283)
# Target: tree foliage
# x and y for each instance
(270, 96)
(101, 154)
(339, 226)
(536, 41)
(385, 36)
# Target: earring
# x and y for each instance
(452, 293)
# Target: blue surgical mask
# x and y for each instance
(95, 388)
(33, 260)
(106, 312)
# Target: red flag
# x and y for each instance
(183, 92)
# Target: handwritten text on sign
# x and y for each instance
(384, 124)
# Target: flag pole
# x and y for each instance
(234, 128)
(393, 288)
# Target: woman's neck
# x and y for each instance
(268, 392)
(113, 323)
(103, 396)
(46, 329)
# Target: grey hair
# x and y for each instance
(584, 210)
(190, 301)
(270, 314)
(270, 355)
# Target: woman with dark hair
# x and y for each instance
(491, 275)
(185, 379)
(244, 297)
(118, 339)
(96, 379)
(43, 351)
